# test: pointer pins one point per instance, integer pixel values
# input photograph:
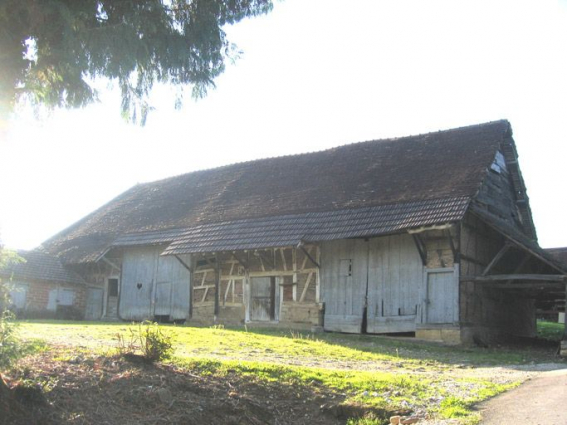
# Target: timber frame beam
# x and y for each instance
(455, 248)
(497, 258)
(300, 246)
(111, 264)
(420, 247)
(507, 277)
(240, 260)
(184, 264)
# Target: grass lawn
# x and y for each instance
(550, 330)
(377, 373)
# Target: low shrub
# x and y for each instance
(148, 340)
(10, 347)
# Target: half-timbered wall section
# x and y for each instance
(265, 285)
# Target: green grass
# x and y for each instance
(550, 330)
(378, 372)
(280, 346)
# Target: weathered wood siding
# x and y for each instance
(394, 284)
(153, 285)
(385, 278)
(344, 276)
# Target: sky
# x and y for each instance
(313, 75)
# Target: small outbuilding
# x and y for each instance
(431, 234)
(40, 286)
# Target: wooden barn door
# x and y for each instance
(344, 272)
(172, 289)
(137, 285)
(263, 299)
(441, 295)
(395, 276)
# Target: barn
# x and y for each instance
(431, 234)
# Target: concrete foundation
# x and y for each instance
(310, 314)
(441, 333)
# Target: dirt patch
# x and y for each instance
(111, 390)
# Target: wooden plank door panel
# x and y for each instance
(344, 271)
(441, 296)
(395, 275)
(262, 299)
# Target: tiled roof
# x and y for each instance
(290, 230)
(148, 238)
(446, 165)
(39, 265)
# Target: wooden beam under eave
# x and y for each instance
(111, 264)
(184, 264)
(315, 263)
(420, 248)
(524, 285)
(496, 258)
(505, 277)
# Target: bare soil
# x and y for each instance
(114, 390)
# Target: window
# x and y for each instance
(66, 297)
(499, 163)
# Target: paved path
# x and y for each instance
(539, 401)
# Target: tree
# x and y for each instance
(51, 51)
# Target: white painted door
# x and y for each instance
(441, 296)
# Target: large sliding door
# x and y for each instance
(373, 285)
(153, 285)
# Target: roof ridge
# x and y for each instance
(296, 155)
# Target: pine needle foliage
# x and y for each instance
(51, 51)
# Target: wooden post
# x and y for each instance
(217, 287)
